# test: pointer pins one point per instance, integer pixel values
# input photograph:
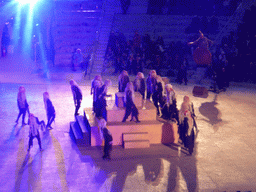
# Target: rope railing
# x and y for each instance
(234, 19)
(96, 45)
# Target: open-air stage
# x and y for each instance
(224, 157)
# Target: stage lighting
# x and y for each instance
(23, 2)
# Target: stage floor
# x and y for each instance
(224, 157)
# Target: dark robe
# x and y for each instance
(122, 83)
(130, 107)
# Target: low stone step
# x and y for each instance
(76, 132)
(136, 144)
(85, 130)
(135, 136)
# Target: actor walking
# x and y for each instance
(77, 95)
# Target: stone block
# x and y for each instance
(135, 136)
(136, 144)
(154, 129)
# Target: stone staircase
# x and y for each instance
(80, 130)
(76, 25)
(109, 8)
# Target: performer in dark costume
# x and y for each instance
(123, 80)
(101, 103)
(169, 105)
(187, 123)
(107, 139)
(50, 111)
(151, 82)
(77, 95)
(22, 104)
(202, 56)
(34, 131)
(130, 106)
(139, 84)
(182, 72)
(158, 93)
(96, 84)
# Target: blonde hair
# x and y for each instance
(186, 99)
(152, 73)
(102, 123)
(108, 82)
(46, 95)
(140, 75)
(22, 89)
(22, 95)
(159, 79)
(123, 74)
(168, 87)
(98, 77)
(73, 82)
(129, 86)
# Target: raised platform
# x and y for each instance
(153, 128)
(157, 131)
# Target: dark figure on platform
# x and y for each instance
(202, 56)
(130, 106)
(182, 72)
(151, 82)
(34, 131)
(187, 124)
(118, 64)
(169, 104)
(136, 42)
(222, 76)
(139, 84)
(77, 95)
(222, 79)
(125, 5)
(50, 111)
(22, 104)
(77, 59)
(107, 139)
(123, 79)
(96, 84)
(86, 63)
(101, 103)
(158, 93)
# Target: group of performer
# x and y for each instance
(163, 97)
(33, 121)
